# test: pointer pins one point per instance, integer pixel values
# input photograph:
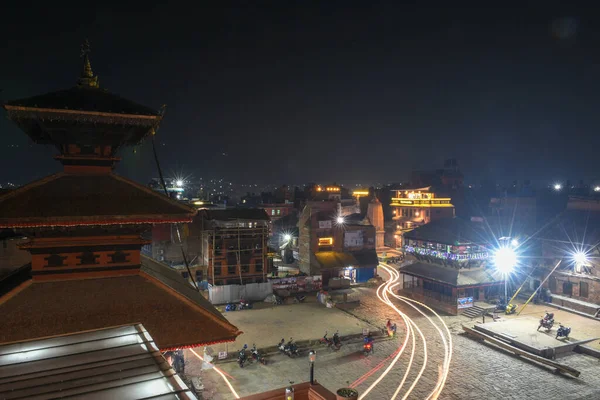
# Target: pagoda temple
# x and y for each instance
(84, 227)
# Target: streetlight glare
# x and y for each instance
(514, 242)
(179, 183)
(580, 257)
(287, 237)
(340, 220)
(557, 186)
(597, 189)
(505, 260)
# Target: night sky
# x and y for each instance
(290, 92)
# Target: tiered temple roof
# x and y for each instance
(84, 227)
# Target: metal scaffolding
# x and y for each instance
(243, 233)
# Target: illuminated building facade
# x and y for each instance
(334, 249)
(416, 207)
(278, 210)
(452, 269)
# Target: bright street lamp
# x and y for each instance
(179, 183)
(597, 189)
(557, 186)
(505, 260)
(580, 257)
(340, 220)
(514, 242)
(287, 237)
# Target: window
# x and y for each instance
(245, 269)
(217, 270)
(231, 270)
(118, 257)
(325, 241)
(199, 275)
(568, 288)
(258, 267)
(87, 258)
(583, 289)
(55, 260)
(278, 212)
(272, 211)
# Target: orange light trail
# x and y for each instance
(235, 395)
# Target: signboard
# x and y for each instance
(465, 302)
(353, 239)
(324, 224)
(222, 355)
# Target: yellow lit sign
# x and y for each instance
(326, 241)
(361, 193)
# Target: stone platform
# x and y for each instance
(522, 333)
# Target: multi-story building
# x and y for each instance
(416, 207)
(231, 245)
(278, 210)
(452, 268)
(333, 245)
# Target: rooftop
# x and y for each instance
(113, 363)
(335, 259)
(67, 200)
(233, 214)
(452, 231)
(174, 313)
(453, 276)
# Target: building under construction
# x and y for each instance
(232, 245)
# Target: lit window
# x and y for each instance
(278, 212)
(327, 241)
(272, 211)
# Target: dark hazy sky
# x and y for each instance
(321, 91)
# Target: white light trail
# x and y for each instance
(220, 373)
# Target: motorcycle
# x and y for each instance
(510, 309)
(299, 299)
(256, 355)
(291, 348)
(231, 307)
(242, 358)
(244, 305)
(336, 343)
(547, 322)
(326, 341)
(562, 331)
(500, 306)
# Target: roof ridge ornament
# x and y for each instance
(87, 78)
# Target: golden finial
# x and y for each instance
(87, 78)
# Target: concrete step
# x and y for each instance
(473, 312)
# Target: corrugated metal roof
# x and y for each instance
(113, 363)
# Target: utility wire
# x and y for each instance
(164, 186)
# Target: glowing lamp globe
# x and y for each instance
(340, 220)
(580, 257)
(557, 186)
(505, 260)
(287, 237)
(179, 183)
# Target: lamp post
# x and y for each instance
(312, 356)
(289, 392)
(505, 260)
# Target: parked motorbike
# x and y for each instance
(325, 340)
(244, 305)
(299, 299)
(256, 355)
(336, 343)
(242, 358)
(547, 322)
(500, 306)
(511, 309)
(368, 346)
(282, 347)
(231, 307)
(291, 348)
(562, 331)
